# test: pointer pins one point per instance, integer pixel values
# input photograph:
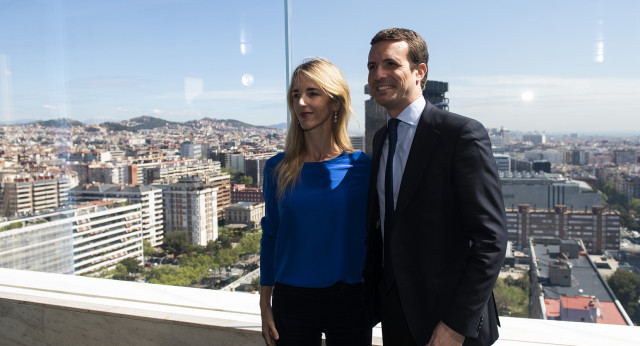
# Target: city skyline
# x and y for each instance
(545, 66)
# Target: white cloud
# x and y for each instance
(105, 82)
(249, 95)
(588, 104)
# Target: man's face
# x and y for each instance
(394, 85)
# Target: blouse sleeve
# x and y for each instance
(270, 223)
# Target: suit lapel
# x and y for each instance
(423, 144)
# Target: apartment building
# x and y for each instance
(190, 206)
(171, 172)
(149, 197)
(40, 243)
(598, 228)
(83, 239)
(222, 182)
(104, 234)
(23, 195)
(241, 193)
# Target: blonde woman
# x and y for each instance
(313, 234)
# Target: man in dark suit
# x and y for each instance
(435, 218)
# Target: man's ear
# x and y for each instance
(422, 71)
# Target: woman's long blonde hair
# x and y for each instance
(332, 82)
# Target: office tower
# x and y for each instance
(375, 115)
(190, 206)
(535, 139)
(551, 155)
(237, 163)
(149, 197)
(503, 161)
(434, 92)
(541, 166)
(190, 150)
(254, 167)
(576, 157)
(625, 157)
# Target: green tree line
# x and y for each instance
(194, 262)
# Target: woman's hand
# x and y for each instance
(269, 332)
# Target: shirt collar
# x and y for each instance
(412, 113)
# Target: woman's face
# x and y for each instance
(312, 106)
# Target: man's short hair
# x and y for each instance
(418, 53)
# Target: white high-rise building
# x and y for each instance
(191, 206)
(150, 198)
(87, 238)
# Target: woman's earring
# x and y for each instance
(335, 117)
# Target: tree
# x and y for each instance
(626, 287)
(249, 244)
(148, 250)
(613, 196)
(120, 272)
(132, 265)
(224, 239)
(225, 257)
(245, 179)
(168, 275)
(176, 243)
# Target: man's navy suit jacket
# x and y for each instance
(449, 234)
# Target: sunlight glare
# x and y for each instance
(247, 79)
(526, 96)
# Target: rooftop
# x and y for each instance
(587, 286)
(585, 279)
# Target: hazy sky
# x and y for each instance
(554, 66)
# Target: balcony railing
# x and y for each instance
(54, 309)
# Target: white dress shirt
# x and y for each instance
(409, 118)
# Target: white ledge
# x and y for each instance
(56, 309)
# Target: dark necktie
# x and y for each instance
(389, 205)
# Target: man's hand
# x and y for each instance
(445, 336)
(269, 332)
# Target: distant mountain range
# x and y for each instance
(144, 122)
(280, 126)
